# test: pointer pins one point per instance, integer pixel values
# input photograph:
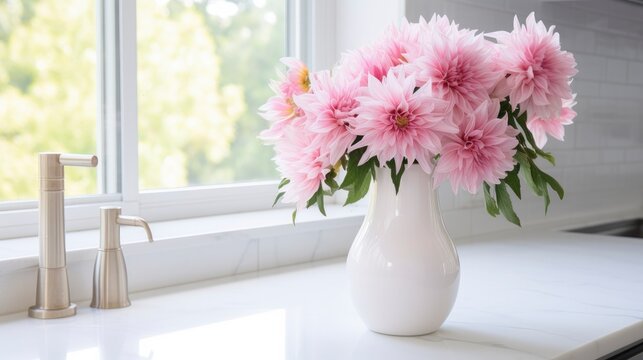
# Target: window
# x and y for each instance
(202, 73)
(164, 91)
(48, 91)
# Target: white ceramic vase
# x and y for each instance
(403, 268)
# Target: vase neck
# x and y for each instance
(416, 191)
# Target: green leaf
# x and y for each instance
(283, 183)
(547, 156)
(505, 107)
(279, 196)
(504, 204)
(351, 167)
(360, 188)
(531, 153)
(358, 177)
(525, 170)
(538, 180)
(546, 197)
(554, 185)
(312, 201)
(344, 161)
(374, 165)
(513, 181)
(332, 184)
(536, 173)
(522, 120)
(396, 177)
(294, 216)
(320, 201)
(317, 198)
(490, 202)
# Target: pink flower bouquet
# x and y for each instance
(474, 109)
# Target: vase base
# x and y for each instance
(405, 333)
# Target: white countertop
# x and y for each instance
(527, 296)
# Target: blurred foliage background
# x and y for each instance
(203, 69)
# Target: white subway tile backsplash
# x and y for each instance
(620, 91)
(634, 155)
(458, 222)
(586, 87)
(562, 14)
(626, 47)
(584, 41)
(612, 155)
(616, 70)
(568, 158)
(575, 39)
(587, 135)
(586, 157)
(590, 67)
(465, 200)
(619, 134)
(481, 222)
(635, 72)
(554, 145)
(495, 4)
(601, 162)
(628, 110)
(623, 26)
(447, 199)
(605, 44)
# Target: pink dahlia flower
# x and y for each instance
(329, 110)
(296, 80)
(396, 123)
(400, 40)
(364, 62)
(458, 64)
(482, 150)
(539, 71)
(301, 162)
(541, 127)
(439, 24)
(280, 110)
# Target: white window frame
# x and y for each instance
(311, 37)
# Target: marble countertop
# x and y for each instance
(531, 295)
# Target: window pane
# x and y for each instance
(203, 70)
(47, 91)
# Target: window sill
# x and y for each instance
(188, 250)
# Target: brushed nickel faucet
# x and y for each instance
(110, 274)
(52, 291)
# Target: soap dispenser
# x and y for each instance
(110, 274)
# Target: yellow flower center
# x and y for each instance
(304, 81)
(402, 120)
(292, 107)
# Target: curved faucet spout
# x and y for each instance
(136, 221)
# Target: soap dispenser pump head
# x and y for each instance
(110, 230)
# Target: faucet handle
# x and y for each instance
(78, 160)
(52, 166)
(136, 221)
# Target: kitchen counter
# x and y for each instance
(523, 295)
